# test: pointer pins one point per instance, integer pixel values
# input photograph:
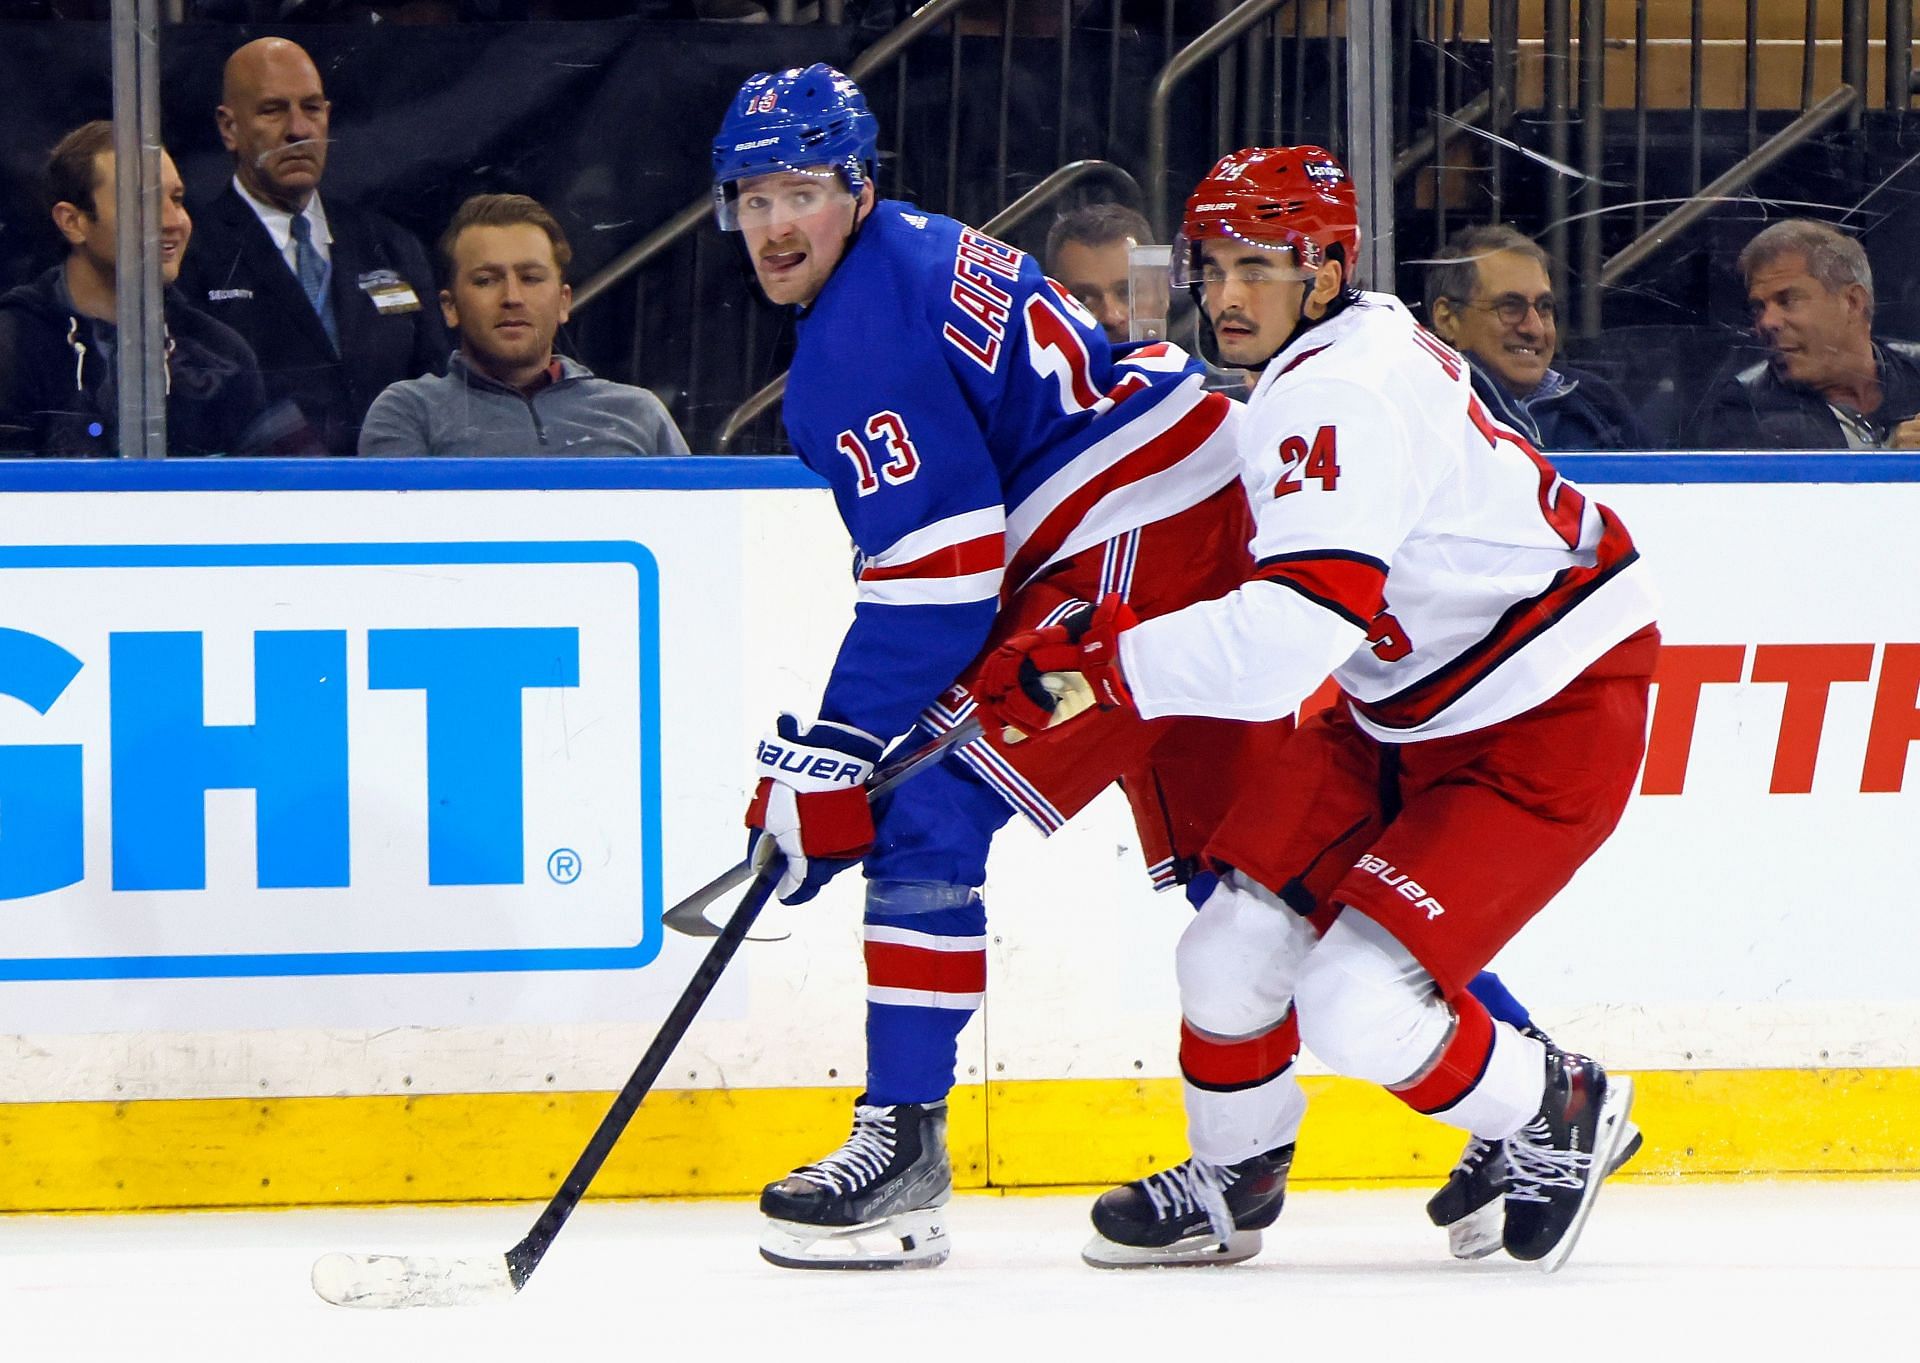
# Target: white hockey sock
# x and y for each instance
(1509, 1093)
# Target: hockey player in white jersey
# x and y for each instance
(1494, 632)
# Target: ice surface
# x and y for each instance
(1707, 1271)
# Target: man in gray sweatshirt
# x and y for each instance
(506, 392)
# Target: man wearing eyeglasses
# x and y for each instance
(1489, 296)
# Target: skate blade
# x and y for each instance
(907, 1240)
(1608, 1139)
(1196, 1251)
(1478, 1233)
(1630, 1143)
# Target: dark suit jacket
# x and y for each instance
(233, 273)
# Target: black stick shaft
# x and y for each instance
(525, 1256)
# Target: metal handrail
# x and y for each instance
(1242, 18)
(1419, 152)
(1899, 55)
(690, 217)
(1007, 218)
(1840, 102)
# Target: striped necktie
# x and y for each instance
(313, 273)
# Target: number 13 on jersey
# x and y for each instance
(900, 462)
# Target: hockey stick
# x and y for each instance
(396, 1280)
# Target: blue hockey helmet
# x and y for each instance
(794, 120)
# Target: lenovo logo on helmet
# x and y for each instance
(1324, 173)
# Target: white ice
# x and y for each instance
(1817, 1271)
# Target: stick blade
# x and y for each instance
(389, 1281)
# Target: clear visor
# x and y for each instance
(780, 197)
(1230, 257)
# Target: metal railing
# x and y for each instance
(1005, 220)
(890, 51)
(1845, 101)
(1190, 59)
(1564, 64)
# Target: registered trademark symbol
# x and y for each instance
(564, 866)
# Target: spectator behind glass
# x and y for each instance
(505, 391)
(59, 380)
(1826, 383)
(1087, 254)
(329, 296)
(1489, 296)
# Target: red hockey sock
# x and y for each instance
(1248, 1062)
(1461, 1062)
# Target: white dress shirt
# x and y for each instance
(279, 225)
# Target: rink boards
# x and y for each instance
(339, 802)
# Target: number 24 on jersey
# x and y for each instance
(1301, 461)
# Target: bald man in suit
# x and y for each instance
(337, 301)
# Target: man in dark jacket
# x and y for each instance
(1489, 296)
(337, 301)
(1826, 384)
(58, 373)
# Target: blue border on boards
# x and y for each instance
(711, 473)
(269, 964)
(688, 474)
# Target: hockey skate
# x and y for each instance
(1193, 1213)
(1557, 1162)
(876, 1202)
(1470, 1206)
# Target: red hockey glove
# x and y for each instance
(812, 801)
(1043, 678)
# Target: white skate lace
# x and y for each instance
(1534, 1165)
(859, 1162)
(1194, 1185)
(1474, 1156)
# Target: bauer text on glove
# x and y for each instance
(811, 798)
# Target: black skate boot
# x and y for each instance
(1557, 1161)
(1193, 1213)
(873, 1203)
(1471, 1205)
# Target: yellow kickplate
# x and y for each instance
(482, 1147)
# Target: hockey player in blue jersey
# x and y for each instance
(996, 465)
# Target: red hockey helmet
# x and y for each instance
(1293, 198)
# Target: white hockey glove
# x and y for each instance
(811, 799)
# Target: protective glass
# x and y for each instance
(782, 197)
(1148, 269)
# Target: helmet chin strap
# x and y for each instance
(846, 242)
(1304, 323)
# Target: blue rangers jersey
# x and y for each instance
(976, 427)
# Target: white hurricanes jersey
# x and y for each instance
(1424, 554)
